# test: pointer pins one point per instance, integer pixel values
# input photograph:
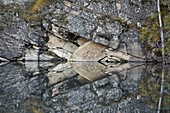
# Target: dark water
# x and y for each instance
(44, 87)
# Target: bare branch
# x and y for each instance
(163, 56)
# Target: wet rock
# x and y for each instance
(20, 89)
(131, 84)
(17, 85)
(61, 72)
(83, 99)
(10, 47)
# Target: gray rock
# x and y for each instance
(133, 105)
(133, 78)
(135, 11)
(16, 86)
(87, 19)
(16, 1)
(133, 45)
(10, 47)
(17, 35)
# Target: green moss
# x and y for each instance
(38, 5)
(146, 1)
(96, 1)
(165, 9)
(33, 12)
(113, 19)
(62, 101)
(166, 102)
(33, 105)
(1, 5)
(65, 21)
(63, 18)
(150, 32)
(150, 90)
(122, 61)
(167, 46)
(110, 1)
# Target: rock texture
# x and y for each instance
(17, 37)
(105, 22)
(115, 24)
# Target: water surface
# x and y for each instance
(45, 87)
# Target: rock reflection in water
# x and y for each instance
(81, 87)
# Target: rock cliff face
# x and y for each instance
(114, 24)
(109, 32)
(104, 22)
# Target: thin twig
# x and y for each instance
(163, 56)
(161, 32)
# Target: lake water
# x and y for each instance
(45, 87)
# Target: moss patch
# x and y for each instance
(149, 88)
(33, 12)
(34, 105)
(165, 8)
(150, 31)
(146, 1)
(38, 5)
